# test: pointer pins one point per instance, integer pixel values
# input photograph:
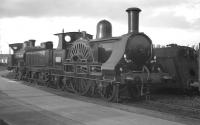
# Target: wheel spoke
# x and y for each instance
(109, 92)
(80, 86)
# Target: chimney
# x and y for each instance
(32, 42)
(25, 44)
(133, 19)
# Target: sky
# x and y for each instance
(164, 21)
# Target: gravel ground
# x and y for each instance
(3, 68)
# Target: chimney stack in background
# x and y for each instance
(133, 19)
(32, 42)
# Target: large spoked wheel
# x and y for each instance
(109, 92)
(80, 86)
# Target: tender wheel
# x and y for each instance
(46, 79)
(80, 86)
(35, 77)
(29, 76)
(15, 73)
(26, 76)
(43, 79)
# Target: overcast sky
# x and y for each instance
(164, 21)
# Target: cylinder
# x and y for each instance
(133, 19)
(104, 29)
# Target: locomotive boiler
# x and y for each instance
(106, 66)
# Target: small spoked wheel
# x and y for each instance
(80, 86)
(109, 92)
(35, 77)
(46, 79)
(65, 84)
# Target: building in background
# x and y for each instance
(4, 59)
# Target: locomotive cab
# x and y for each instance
(13, 59)
(67, 38)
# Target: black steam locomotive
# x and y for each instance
(181, 62)
(107, 66)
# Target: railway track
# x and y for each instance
(184, 109)
(175, 106)
(190, 111)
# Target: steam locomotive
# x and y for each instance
(181, 62)
(109, 67)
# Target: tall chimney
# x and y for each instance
(133, 19)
